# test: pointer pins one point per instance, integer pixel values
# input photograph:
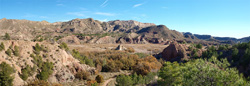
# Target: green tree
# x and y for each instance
(47, 70)
(8, 52)
(222, 47)
(124, 80)
(235, 54)
(7, 36)
(37, 49)
(26, 72)
(199, 46)
(200, 72)
(64, 46)
(16, 51)
(5, 74)
(2, 47)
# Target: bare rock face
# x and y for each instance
(174, 52)
(106, 40)
(70, 40)
(120, 47)
(65, 76)
(87, 26)
(62, 61)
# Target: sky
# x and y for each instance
(221, 18)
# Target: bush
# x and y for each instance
(199, 46)
(38, 83)
(5, 74)
(124, 80)
(16, 51)
(64, 46)
(146, 65)
(37, 49)
(2, 47)
(222, 47)
(8, 52)
(47, 70)
(91, 83)
(130, 49)
(200, 72)
(99, 78)
(26, 72)
(82, 75)
(7, 36)
(235, 54)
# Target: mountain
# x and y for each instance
(87, 30)
(228, 40)
(94, 31)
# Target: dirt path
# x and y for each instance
(107, 81)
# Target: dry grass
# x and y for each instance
(139, 48)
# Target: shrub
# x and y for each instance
(146, 65)
(82, 75)
(91, 83)
(38, 83)
(141, 55)
(235, 54)
(199, 72)
(99, 78)
(37, 49)
(222, 47)
(2, 47)
(199, 46)
(16, 51)
(7, 36)
(5, 74)
(26, 72)
(8, 52)
(47, 70)
(64, 46)
(130, 49)
(124, 80)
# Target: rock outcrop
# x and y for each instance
(63, 70)
(174, 52)
(120, 47)
(69, 40)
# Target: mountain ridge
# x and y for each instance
(29, 30)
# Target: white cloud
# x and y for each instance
(164, 7)
(27, 15)
(43, 17)
(76, 14)
(104, 20)
(59, 4)
(137, 5)
(105, 14)
(104, 4)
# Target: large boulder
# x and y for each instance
(174, 52)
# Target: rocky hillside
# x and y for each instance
(94, 31)
(23, 54)
(229, 40)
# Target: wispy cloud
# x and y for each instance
(43, 17)
(59, 4)
(76, 14)
(104, 4)
(164, 7)
(103, 20)
(137, 5)
(28, 15)
(104, 14)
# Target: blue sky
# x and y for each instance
(224, 18)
